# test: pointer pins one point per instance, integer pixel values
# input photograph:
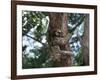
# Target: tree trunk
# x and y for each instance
(58, 39)
(85, 41)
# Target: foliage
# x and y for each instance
(76, 28)
(79, 58)
(34, 26)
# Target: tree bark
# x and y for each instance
(85, 41)
(58, 39)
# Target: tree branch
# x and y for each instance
(78, 23)
(36, 39)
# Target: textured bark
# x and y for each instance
(58, 39)
(85, 41)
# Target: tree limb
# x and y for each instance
(36, 39)
(78, 23)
